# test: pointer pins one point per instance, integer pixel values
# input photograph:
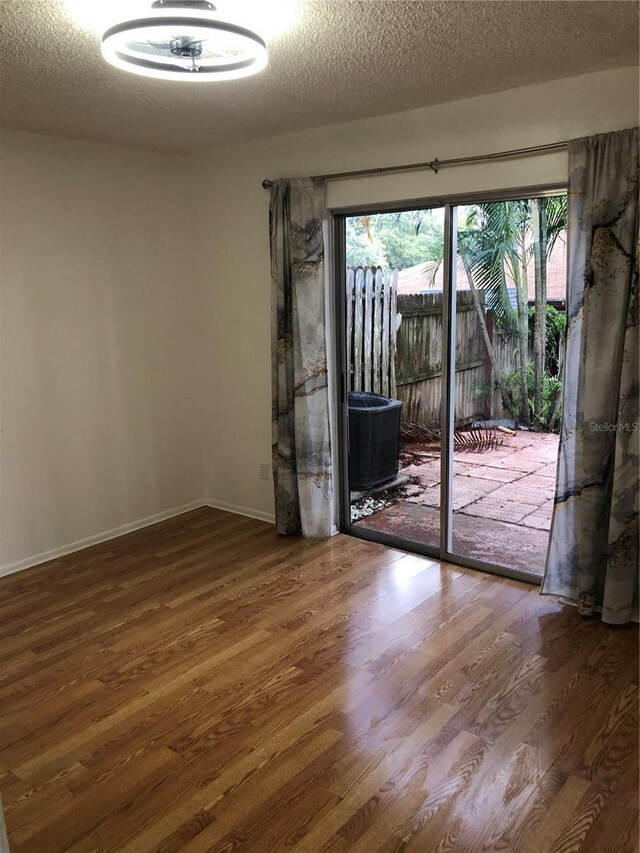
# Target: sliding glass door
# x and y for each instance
(393, 340)
(451, 325)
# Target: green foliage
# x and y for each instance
(496, 245)
(550, 412)
(364, 249)
(556, 218)
(487, 242)
(556, 330)
(395, 240)
(495, 239)
(411, 238)
(548, 417)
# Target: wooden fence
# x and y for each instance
(372, 328)
(394, 347)
(419, 358)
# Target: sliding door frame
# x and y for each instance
(338, 253)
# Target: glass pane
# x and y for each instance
(394, 357)
(510, 317)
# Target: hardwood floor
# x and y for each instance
(205, 685)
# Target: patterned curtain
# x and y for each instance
(593, 549)
(301, 441)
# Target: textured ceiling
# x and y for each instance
(342, 59)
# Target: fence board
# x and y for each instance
(419, 359)
(358, 327)
(386, 326)
(395, 321)
(377, 331)
(372, 329)
(368, 329)
(394, 347)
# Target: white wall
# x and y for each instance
(234, 225)
(135, 298)
(101, 342)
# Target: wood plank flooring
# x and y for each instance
(205, 685)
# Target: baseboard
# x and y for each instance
(78, 545)
(269, 517)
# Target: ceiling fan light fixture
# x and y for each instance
(184, 40)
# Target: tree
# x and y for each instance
(539, 223)
(516, 225)
(411, 237)
(548, 221)
(394, 240)
(496, 243)
(490, 244)
(507, 399)
(364, 249)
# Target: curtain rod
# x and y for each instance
(436, 165)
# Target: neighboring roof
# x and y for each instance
(429, 276)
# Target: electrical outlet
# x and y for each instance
(264, 471)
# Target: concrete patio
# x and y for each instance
(502, 501)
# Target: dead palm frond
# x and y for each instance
(429, 437)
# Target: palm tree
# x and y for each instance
(478, 304)
(496, 244)
(548, 221)
(492, 243)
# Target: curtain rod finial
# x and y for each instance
(267, 184)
